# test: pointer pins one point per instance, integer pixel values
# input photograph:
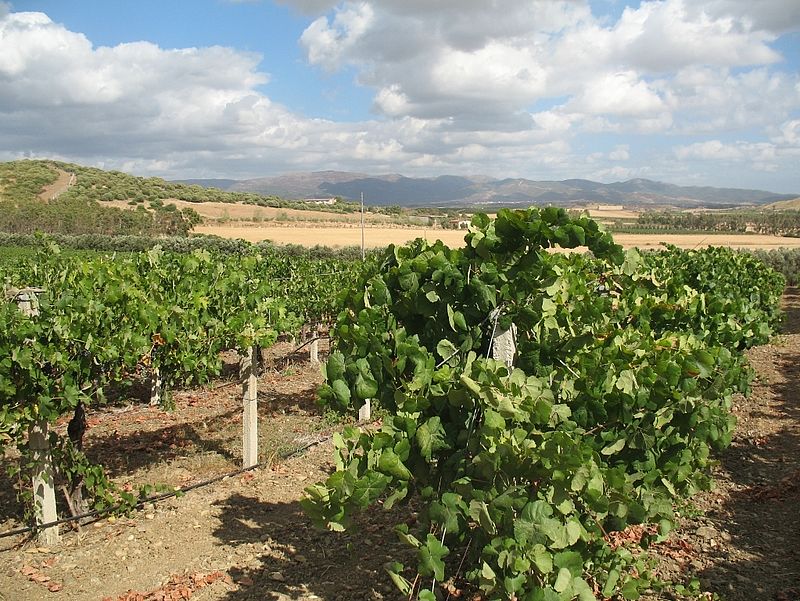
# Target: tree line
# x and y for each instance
(772, 222)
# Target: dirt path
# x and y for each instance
(58, 187)
(742, 539)
(756, 506)
(246, 537)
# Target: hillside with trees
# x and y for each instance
(27, 207)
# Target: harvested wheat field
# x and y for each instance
(374, 237)
(382, 236)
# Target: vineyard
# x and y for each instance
(165, 317)
(536, 407)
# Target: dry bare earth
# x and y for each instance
(374, 237)
(310, 228)
(382, 236)
(746, 546)
(58, 187)
(246, 537)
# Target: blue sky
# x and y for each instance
(700, 92)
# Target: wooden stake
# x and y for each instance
(44, 495)
(247, 375)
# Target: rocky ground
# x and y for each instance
(245, 536)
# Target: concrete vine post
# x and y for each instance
(44, 495)
(247, 375)
(365, 411)
(504, 343)
(156, 386)
(314, 348)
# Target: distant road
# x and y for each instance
(383, 236)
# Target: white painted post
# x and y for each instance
(365, 411)
(156, 386)
(44, 495)
(247, 375)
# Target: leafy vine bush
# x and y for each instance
(109, 319)
(624, 373)
(180, 244)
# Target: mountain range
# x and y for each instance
(451, 190)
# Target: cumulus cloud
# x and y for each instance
(327, 43)
(771, 15)
(620, 153)
(519, 87)
(508, 59)
(713, 150)
(707, 100)
(617, 94)
(789, 136)
(665, 36)
(760, 156)
(60, 95)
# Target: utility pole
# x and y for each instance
(362, 227)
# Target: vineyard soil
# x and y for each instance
(246, 537)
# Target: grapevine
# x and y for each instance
(625, 369)
(109, 319)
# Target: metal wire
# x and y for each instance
(159, 497)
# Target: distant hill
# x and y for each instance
(299, 185)
(784, 205)
(220, 184)
(449, 190)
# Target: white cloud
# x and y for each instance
(618, 94)
(620, 153)
(436, 60)
(616, 173)
(328, 43)
(771, 15)
(666, 36)
(765, 156)
(712, 100)
(515, 87)
(712, 150)
(789, 136)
